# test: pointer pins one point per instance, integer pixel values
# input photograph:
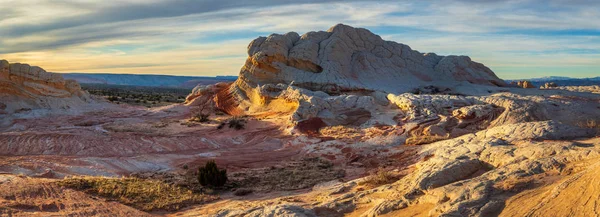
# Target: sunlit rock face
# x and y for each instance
(25, 87)
(343, 68)
(345, 58)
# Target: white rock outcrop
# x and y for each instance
(24, 87)
(339, 73)
(345, 58)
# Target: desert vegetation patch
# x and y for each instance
(143, 194)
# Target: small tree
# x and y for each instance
(210, 175)
(201, 115)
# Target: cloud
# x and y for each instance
(191, 60)
(208, 37)
(136, 10)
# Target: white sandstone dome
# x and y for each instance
(344, 60)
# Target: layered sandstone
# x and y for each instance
(345, 58)
(341, 72)
(25, 87)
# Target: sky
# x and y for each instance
(515, 38)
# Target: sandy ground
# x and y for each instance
(120, 140)
(110, 140)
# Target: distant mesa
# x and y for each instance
(187, 82)
(25, 87)
(561, 81)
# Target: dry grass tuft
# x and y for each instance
(590, 124)
(294, 175)
(380, 177)
(341, 132)
(146, 195)
(421, 140)
(199, 118)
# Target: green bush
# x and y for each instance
(210, 175)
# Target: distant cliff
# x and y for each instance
(146, 80)
(563, 81)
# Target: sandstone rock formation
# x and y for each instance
(588, 89)
(479, 143)
(350, 77)
(473, 175)
(345, 60)
(525, 84)
(340, 73)
(549, 85)
(25, 87)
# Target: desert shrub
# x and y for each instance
(87, 123)
(381, 177)
(236, 123)
(161, 124)
(210, 175)
(142, 194)
(221, 125)
(200, 117)
(202, 113)
(341, 132)
(425, 139)
(590, 124)
(289, 176)
(112, 98)
(137, 95)
(515, 185)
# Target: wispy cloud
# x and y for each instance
(209, 37)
